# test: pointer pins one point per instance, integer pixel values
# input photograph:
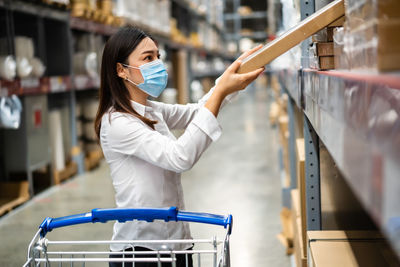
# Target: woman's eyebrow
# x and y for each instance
(150, 52)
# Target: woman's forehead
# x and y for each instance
(146, 44)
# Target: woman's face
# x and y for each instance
(145, 52)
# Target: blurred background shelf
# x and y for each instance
(68, 40)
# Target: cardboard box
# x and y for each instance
(347, 248)
(286, 236)
(294, 36)
(359, 12)
(284, 140)
(325, 49)
(298, 239)
(300, 252)
(326, 63)
(375, 45)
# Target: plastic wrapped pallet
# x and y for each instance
(342, 60)
(371, 39)
(359, 12)
(374, 45)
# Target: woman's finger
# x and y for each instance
(234, 66)
(253, 74)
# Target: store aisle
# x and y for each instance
(238, 175)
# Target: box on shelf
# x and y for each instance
(374, 45)
(358, 12)
(286, 236)
(322, 56)
(342, 60)
(348, 248)
(325, 49)
(298, 230)
(294, 36)
(283, 123)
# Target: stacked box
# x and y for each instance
(300, 254)
(371, 39)
(322, 56)
(348, 248)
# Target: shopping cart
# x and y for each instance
(43, 252)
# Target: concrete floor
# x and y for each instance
(238, 175)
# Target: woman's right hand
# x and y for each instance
(231, 81)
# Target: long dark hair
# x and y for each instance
(113, 93)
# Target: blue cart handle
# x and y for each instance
(123, 215)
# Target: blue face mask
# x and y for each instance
(155, 77)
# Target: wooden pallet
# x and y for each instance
(70, 170)
(93, 159)
(13, 194)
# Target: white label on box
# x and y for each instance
(57, 84)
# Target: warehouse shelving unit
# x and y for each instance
(351, 129)
(54, 32)
(237, 22)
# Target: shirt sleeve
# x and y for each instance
(131, 136)
(179, 116)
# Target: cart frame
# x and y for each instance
(40, 255)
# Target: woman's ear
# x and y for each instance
(121, 71)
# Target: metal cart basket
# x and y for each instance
(43, 252)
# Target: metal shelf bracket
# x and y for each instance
(313, 192)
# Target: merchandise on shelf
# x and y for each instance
(374, 45)
(26, 63)
(321, 56)
(294, 36)
(56, 140)
(371, 39)
(244, 10)
(24, 68)
(38, 68)
(8, 67)
(86, 63)
(342, 60)
(10, 112)
(359, 12)
(348, 248)
(146, 13)
(100, 11)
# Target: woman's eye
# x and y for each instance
(158, 56)
(148, 58)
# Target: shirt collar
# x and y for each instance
(141, 109)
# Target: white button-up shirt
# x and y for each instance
(145, 164)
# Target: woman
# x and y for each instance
(145, 158)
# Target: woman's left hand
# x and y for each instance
(231, 81)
